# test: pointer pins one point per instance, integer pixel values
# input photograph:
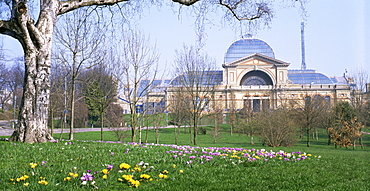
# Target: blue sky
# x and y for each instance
(336, 36)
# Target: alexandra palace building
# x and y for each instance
(253, 78)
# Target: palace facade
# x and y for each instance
(254, 79)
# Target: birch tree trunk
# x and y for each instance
(32, 124)
(36, 40)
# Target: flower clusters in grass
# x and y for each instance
(240, 155)
(75, 164)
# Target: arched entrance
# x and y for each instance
(256, 78)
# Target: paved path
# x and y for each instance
(7, 131)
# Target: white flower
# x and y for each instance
(93, 182)
(84, 182)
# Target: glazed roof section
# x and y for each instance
(203, 78)
(308, 77)
(156, 85)
(247, 46)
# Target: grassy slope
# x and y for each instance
(338, 169)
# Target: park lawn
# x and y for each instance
(324, 167)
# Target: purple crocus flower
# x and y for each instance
(87, 177)
(109, 167)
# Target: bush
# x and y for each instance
(276, 128)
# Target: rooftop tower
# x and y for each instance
(303, 65)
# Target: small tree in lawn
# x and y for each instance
(195, 79)
(218, 117)
(179, 112)
(78, 49)
(246, 123)
(346, 128)
(276, 128)
(100, 93)
(233, 117)
(136, 62)
(345, 133)
(310, 115)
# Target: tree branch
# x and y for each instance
(66, 6)
(262, 9)
(5, 28)
(186, 2)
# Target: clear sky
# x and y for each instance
(336, 36)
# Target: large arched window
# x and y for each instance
(255, 78)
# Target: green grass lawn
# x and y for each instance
(186, 167)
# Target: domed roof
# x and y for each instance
(247, 46)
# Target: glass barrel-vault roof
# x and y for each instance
(203, 78)
(247, 46)
(308, 77)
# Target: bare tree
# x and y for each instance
(276, 128)
(5, 93)
(78, 49)
(179, 112)
(196, 78)
(32, 24)
(310, 115)
(57, 95)
(138, 62)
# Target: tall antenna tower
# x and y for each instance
(303, 65)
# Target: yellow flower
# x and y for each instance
(105, 176)
(12, 179)
(137, 168)
(33, 165)
(181, 171)
(127, 177)
(135, 183)
(120, 179)
(67, 179)
(105, 171)
(174, 166)
(26, 184)
(162, 175)
(44, 182)
(124, 166)
(145, 176)
(165, 172)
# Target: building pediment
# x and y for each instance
(256, 59)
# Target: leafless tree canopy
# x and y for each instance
(135, 61)
(32, 24)
(195, 81)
